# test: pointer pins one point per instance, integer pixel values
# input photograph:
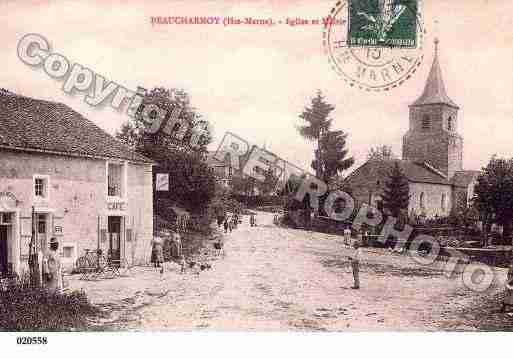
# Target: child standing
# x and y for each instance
(355, 263)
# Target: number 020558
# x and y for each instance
(31, 340)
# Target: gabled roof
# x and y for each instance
(464, 178)
(213, 159)
(414, 171)
(29, 124)
(434, 91)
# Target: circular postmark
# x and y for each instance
(374, 45)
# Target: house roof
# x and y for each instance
(464, 178)
(434, 90)
(213, 159)
(414, 171)
(29, 124)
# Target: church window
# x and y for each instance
(426, 122)
(449, 124)
(421, 201)
(443, 204)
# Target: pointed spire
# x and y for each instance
(434, 91)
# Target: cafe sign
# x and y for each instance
(116, 206)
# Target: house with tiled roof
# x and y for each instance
(62, 176)
(431, 160)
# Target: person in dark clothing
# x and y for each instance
(226, 225)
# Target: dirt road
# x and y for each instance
(283, 279)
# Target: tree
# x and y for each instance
(192, 184)
(331, 158)
(330, 155)
(396, 195)
(381, 153)
(494, 193)
(136, 133)
(268, 186)
(317, 121)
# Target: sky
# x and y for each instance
(255, 80)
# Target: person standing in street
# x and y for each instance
(347, 236)
(177, 242)
(355, 263)
(225, 225)
(157, 253)
(52, 269)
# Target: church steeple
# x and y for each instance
(434, 90)
(432, 136)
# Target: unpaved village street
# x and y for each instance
(274, 278)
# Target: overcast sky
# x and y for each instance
(254, 81)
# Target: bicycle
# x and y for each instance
(91, 264)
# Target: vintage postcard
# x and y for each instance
(255, 166)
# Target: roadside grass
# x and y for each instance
(27, 308)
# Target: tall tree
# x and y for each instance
(316, 121)
(381, 153)
(330, 155)
(331, 158)
(494, 193)
(396, 196)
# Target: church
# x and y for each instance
(432, 156)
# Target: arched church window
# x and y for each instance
(443, 203)
(449, 124)
(426, 122)
(421, 201)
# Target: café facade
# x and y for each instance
(62, 176)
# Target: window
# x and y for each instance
(443, 202)
(41, 224)
(5, 218)
(68, 251)
(220, 172)
(449, 124)
(41, 186)
(115, 180)
(421, 201)
(426, 122)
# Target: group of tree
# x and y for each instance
(330, 157)
(146, 130)
(381, 153)
(494, 193)
(249, 186)
(192, 184)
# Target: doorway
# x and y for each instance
(114, 230)
(42, 231)
(4, 251)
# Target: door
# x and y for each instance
(4, 257)
(114, 229)
(41, 226)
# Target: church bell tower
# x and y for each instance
(432, 136)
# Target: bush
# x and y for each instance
(27, 308)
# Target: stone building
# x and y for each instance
(432, 156)
(86, 188)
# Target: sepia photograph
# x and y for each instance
(212, 174)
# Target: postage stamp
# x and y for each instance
(379, 44)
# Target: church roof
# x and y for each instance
(414, 171)
(33, 125)
(434, 91)
(464, 178)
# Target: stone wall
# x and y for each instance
(77, 205)
(439, 146)
(432, 194)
